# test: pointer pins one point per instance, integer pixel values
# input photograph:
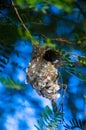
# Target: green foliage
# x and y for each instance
(78, 74)
(24, 20)
(49, 120)
(67, 6)
(36, 24)
(5, 51)
(73, 124)
(9, 83)
(71, 67)
(82, 60)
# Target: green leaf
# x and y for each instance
(82, 59)
(9, 83)
(48, 120)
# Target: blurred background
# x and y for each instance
(48, 22)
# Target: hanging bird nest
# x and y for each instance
(42, 73)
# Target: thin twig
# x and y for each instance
(24, 26)
(58, 39)
(75, 75)
(20, 17)
(62, 40)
